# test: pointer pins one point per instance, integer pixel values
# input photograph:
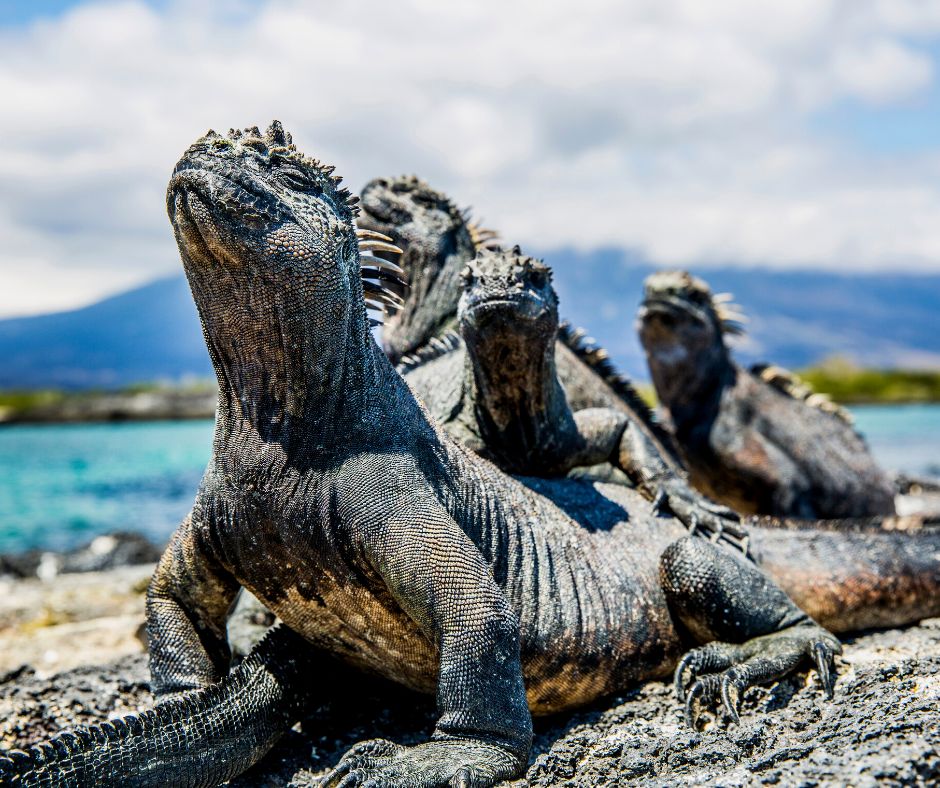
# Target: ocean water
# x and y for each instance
(902, 437)
(60, 485)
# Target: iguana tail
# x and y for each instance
(200, 739)
(851, 575)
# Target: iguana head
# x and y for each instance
(437, 239)
(682, 328)
(415, 215)
(271, 251)
(508, 292)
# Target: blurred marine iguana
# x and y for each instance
(438, 240)
(377, 540)
(756, 440)
(494, 387)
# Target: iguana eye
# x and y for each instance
(424, 200)
(298, 180)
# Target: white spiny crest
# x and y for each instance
(380, 277)
(790, 384)
(730, 315)
(482, 237)
(437, 347)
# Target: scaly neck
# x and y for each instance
(515, 392)
(689, 385)
(293, 369)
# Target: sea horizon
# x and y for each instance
(63, 484)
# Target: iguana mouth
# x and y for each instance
(184, 219)
(667, 310)
(523, 306)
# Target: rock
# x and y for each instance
(34, 708)
(121, 548)
(75, 619)
(880, 729)
(247, 623)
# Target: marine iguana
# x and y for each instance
(438, 239)
(752, 441)
(334, 497)
(503, 399)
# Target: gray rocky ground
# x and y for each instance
(883, 728)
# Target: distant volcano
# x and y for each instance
(797, 318)
(146, 334)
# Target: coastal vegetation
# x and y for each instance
(138, 402)
(849, 384)
(837, 377)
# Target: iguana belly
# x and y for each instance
(593, 619)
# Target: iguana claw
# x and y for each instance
(823, 656)
(725, 671)
(700, 515)
(446, 763)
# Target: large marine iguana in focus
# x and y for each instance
(750, 441)
(493, 386)
(377, 540)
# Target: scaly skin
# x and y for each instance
(747, 443)
(438, 240)
(510, 406)
(334, 498)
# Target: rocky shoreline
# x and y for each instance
(72, 652)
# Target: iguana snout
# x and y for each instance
(507, 288)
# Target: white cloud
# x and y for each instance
(881, 71)
(679, 128)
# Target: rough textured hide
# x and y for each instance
(379, 542)
(508, 404)
(748, 441)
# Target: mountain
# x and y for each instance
(146, 334)
(796, 318)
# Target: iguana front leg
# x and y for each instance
(187, 605)
(441, 580)
(757, 633)
(607, 435)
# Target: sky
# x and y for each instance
(803, 133)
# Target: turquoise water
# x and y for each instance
(62, 484)
(902, 437)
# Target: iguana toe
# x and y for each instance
(723, 672)
(707, 659)
(701, 693)
(452, 763)
(824, 657)
(699, 514)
